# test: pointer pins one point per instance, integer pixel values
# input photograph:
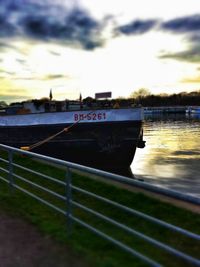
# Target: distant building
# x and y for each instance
(30, 105)
(13, 108)
(53, 106)
(103, 95)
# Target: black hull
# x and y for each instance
(109, 146)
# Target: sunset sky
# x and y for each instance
(89, 46)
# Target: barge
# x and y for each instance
(101, 138)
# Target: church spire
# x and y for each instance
(50, 95)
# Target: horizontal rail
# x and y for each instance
(34, 196)
(110, 176)
(116, 242)
(138, 213)
(39, 187)
(154, 242)
(69, 167)
(4, 160)
(39, 174)
(4, 170)
(4, 179)
(39, 198)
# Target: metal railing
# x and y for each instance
(12, 177)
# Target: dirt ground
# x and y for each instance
(21, 245)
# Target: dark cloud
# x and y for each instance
(54, 53)
(7, 72)
(40, 21)
(191, 55)
(77, 27)
(42, 78)
(189, 27)
(13, 98)
(137, 27)
(186, 24)
(6, 28)
(5, 45)
(195, 37)
(21, 61)
(55, 76)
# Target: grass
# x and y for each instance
(95, 250)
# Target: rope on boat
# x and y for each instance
(28, 148)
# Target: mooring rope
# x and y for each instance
(28, 148)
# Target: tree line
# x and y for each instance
(141, 96)
(145, 98)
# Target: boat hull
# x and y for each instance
(107, 145)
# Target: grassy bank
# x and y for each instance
(97, 251)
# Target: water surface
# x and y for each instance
(171, 157)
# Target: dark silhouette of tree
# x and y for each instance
(180, 99)
(3, 104)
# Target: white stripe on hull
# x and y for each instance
(70, 117)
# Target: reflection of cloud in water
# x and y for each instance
(191, 153)
(168, 171)
(171, 156)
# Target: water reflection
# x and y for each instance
(171, 157)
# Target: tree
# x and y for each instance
(3, 104)
(140, 93)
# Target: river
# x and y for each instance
(171, 158)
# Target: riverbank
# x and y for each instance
(94, 250)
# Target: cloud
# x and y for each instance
(21, 61)
(195, 37)
(17, 91)
(7, 29)
(185, 24)
(189, 27)
(54, 53)
(40, 78)
(37, 20)
(8, 98)
(55, 76)
(5, 45)
(137, 27)
(24, 78)
(191, 80)
(7, 72)
(191, 55)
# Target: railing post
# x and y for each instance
(10, 167)
(68, 200)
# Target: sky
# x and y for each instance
(91, 46)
